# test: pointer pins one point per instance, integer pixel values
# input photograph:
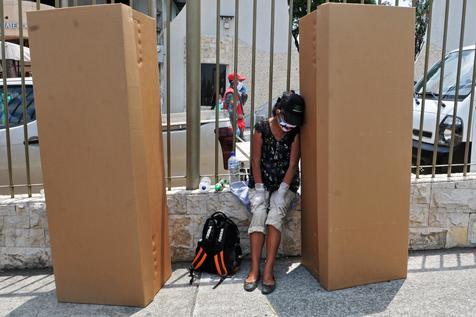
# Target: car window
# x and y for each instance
(15, 107)
(449, 80)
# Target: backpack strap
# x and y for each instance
(199, 259)
(219, 282)
(220, 264)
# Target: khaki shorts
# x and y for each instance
(269, 213)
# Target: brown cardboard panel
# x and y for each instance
(307, 70)
(363, 90)
(96, 92)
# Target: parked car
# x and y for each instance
(15, 119)
(446, 116)
(17, 145)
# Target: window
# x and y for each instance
(449, 80)
(208, 84)
(15, 107)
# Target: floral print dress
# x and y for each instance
(275, 157)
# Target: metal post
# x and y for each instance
(217, 85)
(38, 5)
(5, 103)
(425, 78)
(271, 59)
(470, 120)
(167, 30)
(23, 97)
(253, 78)
(308, 6)
(290, 28)
(397, 3)
(440, 89)
(458, 80)
(151, 9)
(235, 70)
(193, 37)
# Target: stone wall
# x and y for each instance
(24, 240)
(442, 215)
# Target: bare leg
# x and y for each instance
(272, 245)
(256, 242)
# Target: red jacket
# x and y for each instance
(240, 122)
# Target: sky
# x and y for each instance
(403, 3)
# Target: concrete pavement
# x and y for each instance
(439, 283)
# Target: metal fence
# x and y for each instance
(445, 147)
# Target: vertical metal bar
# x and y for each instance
(131, 3)
(470, 120)
(5, 102)
(397, 3)
(75, 3)
(23, 97)
(38, 5)
(379, 2)
(362, 1)
(167, 30)
(290, 28)
(150, 8)
(440, 89)
(253, 77)
(458, 80)
(235, 70)
(271, 59)
(113, 1)
(425, 78)
(94, 2)
(217, 84)
(193, 93)
(57, 3)
(308, 6)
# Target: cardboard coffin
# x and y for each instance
(97, 98)
(356, 75)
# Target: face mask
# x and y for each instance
(286, 127)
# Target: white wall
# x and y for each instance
(245, 31)
(208, 29)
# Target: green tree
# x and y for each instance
(422, 10)
(421, 23)
(300, 10)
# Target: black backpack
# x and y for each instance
(218, 251)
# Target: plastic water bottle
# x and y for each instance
(234, 168)
(204, 184)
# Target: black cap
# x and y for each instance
(293, 108)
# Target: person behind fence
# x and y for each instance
(229, 100)
(275, 175)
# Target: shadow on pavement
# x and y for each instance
(438, 260)
(299, 293)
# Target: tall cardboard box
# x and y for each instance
(97, 96)
(356, 77)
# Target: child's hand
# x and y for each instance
(260, 194)
(280, 196)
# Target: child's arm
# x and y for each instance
(294, 161)
(255, 160)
